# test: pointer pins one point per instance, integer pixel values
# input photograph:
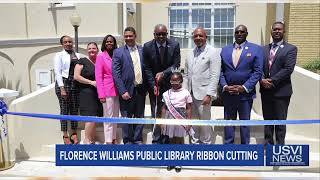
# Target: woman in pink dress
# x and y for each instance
(107, 91)
(177, 105)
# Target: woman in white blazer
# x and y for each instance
(66, 90)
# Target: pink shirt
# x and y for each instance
(179, 98)
(104, 79)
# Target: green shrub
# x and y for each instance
(313, 65)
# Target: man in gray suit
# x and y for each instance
(202, 76)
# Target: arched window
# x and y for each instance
(217, 18)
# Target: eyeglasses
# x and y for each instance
(175, 82)
(161, 34)
(240, 32)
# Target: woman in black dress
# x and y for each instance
(90, 105)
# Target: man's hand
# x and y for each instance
(266, 83)
(233, 90)
(240, 89)
(206, 100)
(126, 96)
(159, 76)
(156, 91)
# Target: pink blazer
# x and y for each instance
(104, 79)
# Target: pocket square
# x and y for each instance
(248, 54)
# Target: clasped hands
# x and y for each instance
(234, 89)
(266, 83)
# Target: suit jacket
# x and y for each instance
(123, 70)
(153, 64)
(104, 79)
(203, 72)
(281, 69)
(247, 73)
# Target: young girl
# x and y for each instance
(177, 105)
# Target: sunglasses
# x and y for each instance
(161, 34)
(240, 32)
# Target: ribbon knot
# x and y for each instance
(3, 108)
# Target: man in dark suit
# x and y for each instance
(241, 69)
(275, 85)
(161, 55)
(129, 77)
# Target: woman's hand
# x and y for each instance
(64, 94)
(93, 83)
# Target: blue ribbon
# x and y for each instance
(3, 108)
(164, 121)
(159, 121)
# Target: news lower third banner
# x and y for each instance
(160, 155)
(181, 155)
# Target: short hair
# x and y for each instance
(103, 45)
(130, 29)
(199, 27)
(177, 74)
(62, 37)
(278, 22)
(245, 27)
(94, 43)
(160, 25)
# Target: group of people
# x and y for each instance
(118, 79)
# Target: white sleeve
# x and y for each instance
(58, 69)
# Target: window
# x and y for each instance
(217, 19)
(43, 77)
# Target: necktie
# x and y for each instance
(272, 54)
(136, 66)
(198, 52)
(237, 56)
(161, 50)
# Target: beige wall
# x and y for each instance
(151, 15)
(22, 50)
(253, 15)
(37, 20)
(12, 27)
(43, 22)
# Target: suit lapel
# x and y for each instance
(127, 53)
(154, 49)
(169, 50)
(243, 54)
(279, 51)
(106, 56)
(229, 56)
(266, 63)
(141, 57)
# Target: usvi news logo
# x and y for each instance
(287, 155)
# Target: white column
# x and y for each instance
(190, 29)
(124, 15)
(280, 12)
